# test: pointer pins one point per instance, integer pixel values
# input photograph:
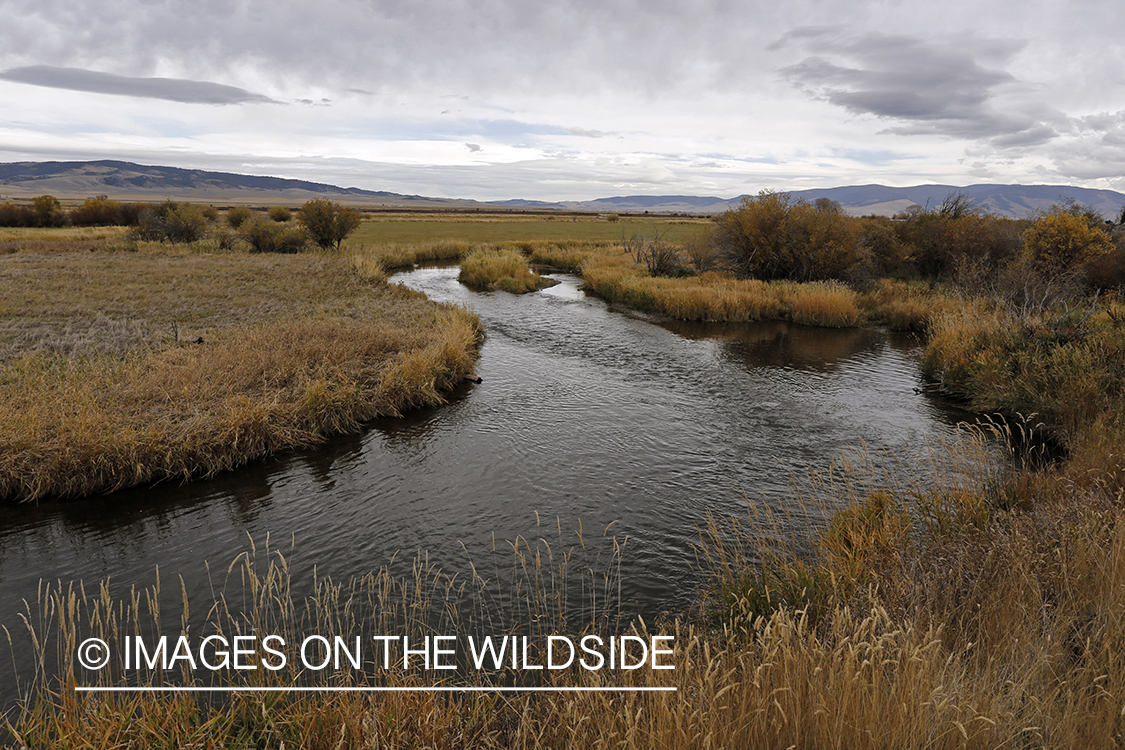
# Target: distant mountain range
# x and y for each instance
(127, 181)
(1013, 201)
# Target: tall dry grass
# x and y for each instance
(962, 635)
(500, 268)
(715, 296)
(127, 368)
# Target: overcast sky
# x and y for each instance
(574, 99)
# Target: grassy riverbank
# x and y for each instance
(983, 611)
(121, 368)
(500, 268)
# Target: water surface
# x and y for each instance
(586, 416)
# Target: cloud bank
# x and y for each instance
(170, 89)
(574, 99)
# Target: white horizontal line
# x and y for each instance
(434, 689)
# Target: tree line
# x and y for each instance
(773, 236)
(319, 221)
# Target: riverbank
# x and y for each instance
(987, 610)
(122, 368)
(610, 271)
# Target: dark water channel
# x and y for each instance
(586, 414)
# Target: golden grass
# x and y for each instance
(126, 368)
(500, 268)
(482, 228)
(981, 609)
(954, 636)
(394, 255)
(713, 296)
(906, 306)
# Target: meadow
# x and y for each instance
(170, 361)
(988, 611)
(477, 228)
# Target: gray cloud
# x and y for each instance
(938, 88)
(474, 147)
(1094, 150)
(392, 45)
(171, 89)
(584, 133)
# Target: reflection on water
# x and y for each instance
(586, 414)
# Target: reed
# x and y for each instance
(924, 635)
(714, 296)
(906, 306)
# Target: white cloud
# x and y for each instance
(575, 98)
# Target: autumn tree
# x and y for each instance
(328, 223)
(48, 211)
(773, 236)
(1064, 240)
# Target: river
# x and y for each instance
(586, 416)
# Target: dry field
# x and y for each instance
(122, 368)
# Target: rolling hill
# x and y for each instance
(128, 181)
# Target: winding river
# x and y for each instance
(586, 415)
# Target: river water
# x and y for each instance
(586, 416)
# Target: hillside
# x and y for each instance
(128, 181)
(1013, 201)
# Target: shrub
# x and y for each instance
(172, 222)
(280, 213)
(48, 212)
(891, 256)
(1108, 271)
(97, 212)
(1064, 240)
(774, 237)
(237, 215)
(266, 236)
(656, 254)
(12, 215)
(701, 251)
(327, 222)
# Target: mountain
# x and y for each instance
(128, 181)
(1013, 201)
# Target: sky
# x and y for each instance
(574, 99)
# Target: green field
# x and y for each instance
(409, 228)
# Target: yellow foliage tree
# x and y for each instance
(774, 237)
(1063, 241)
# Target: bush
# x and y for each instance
(237, 215)
(96, 212)
(266, 236)
(1064, 240)
(172, 222)
(656, 254)
(48, 211)
(12, 215)
(102, 211)
(891, 256)
(958, 239)
(280, 213)
(327, 222)
(774, 237)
